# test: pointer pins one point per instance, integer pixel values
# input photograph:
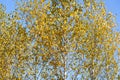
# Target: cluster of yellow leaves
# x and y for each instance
(13, 40)
(53, 29)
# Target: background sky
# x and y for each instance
(111, 6)
(114, 7)
(10, 5)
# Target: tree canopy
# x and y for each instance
(58, 40)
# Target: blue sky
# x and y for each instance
(114, 7)
(111, 5)
(10, 4)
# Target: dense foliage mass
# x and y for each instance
(58, 40)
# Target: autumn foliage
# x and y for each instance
(58, 40)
